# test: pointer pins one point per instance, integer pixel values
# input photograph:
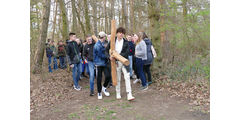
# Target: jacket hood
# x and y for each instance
(147, 41)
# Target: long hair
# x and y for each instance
(140, 37)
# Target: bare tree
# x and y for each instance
(64, 19)
(42, 38)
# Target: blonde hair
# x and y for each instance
(140, 37)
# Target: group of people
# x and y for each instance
(94, 56)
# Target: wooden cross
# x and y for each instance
(114, 54)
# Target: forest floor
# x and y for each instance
(53, 98)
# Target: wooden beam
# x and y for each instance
(120, 58)
(112, 48)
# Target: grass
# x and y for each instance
(73, 115)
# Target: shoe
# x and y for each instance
(78, 88)
(105, 91)
(149, 83)
(118, 96)
(99, 96)
(135, 81)
(110, 85)
(91, 93)
(130, 97)
(131, 77)
(144, 88)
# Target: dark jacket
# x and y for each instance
(88, 51)
(61, 51)
(49, 51)
(99, 56)
(80, 47)
(131, 48)
(149, 52)
(125, 49)
(73, 52)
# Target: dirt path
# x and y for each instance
(149, 105)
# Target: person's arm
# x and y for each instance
(107, 50)
(68, 55)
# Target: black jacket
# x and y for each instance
(73, 52)
(88, 51)
(125, 49)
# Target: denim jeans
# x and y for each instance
(139, 65)
(91, 78)
(85, 66)
(62, 62)
(55, 65)
(147, 71)
(49, 64)
(76, 74)
(130, 65)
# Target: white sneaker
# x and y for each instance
(135, 81)
(118, 96)
(99, 96)
(105, 91)
(77, 88)
(130, 97)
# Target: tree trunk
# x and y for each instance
(54, 21)
(124, 15)
(93, 3)
(87, 20)
(42, 38)
(74, 24)
(64, 19)
(132, 17)
(105, 16)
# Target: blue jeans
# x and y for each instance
(55, 65)
(139, 65)
(49, 64)
(91, 71)
(76, 74)
(130, 65)
(85, 66)
(62, 62)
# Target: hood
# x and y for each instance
(147, 41)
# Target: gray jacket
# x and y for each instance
(141, 50)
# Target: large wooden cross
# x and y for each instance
(114, 54)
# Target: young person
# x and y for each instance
(80, 47)
(148, 62)
(100, 61)
(61, 54)
(122, 47)
(88, 56)
(131, 53)
(141, 55)
(135, 37)
(74, 61)
(49, 54)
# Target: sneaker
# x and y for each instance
(144, 88)
(135, 81)
(149, 83)
(91, 93)
(110, 85)
(105, 91)
(78, 88)
(99, 96)
(118, 96)
(130, 97)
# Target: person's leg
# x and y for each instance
(127, 79)
(78, 71)
(99, 71)
(148, 71)
(139, 64)
(64, 62)
(55, 63)
(74, 71)
(49, 64)
(130, 65)
(91, 70)
(118, 86)
(87, 69)
(107, 76)
(61, 61)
